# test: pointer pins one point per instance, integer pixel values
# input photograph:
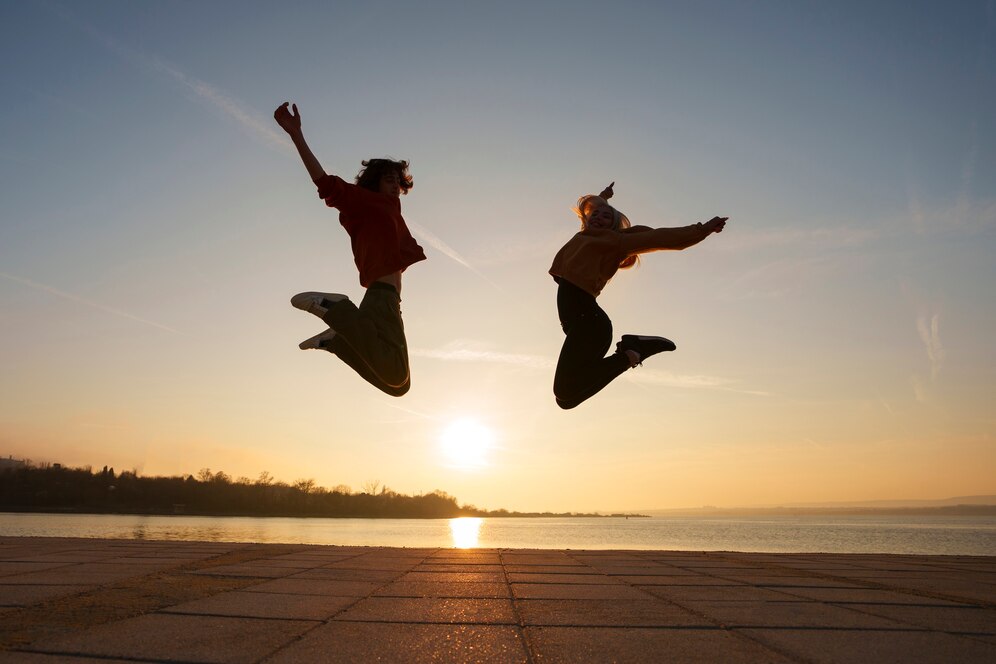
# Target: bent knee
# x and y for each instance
(396, 379)
(566, 405)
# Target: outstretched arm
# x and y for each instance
(641, 239)
(291, 123)
(715, 225)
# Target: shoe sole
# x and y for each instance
(315, 342)
(311, 301)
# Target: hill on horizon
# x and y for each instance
(898, 504)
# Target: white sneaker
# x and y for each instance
(319, 341)
(316, 303)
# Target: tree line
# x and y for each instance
(55, 488)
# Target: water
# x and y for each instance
(951, 535)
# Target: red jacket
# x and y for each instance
(382, 243)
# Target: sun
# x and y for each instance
(465, 444)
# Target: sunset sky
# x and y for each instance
(835, 343)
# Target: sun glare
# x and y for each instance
(465, 444)
(466, 531)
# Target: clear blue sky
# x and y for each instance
(835, 343)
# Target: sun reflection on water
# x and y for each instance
(465, 530)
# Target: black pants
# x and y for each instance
(583, 369)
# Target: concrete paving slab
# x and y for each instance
(646, 570)
(787, 614)
(638, 646)
(833, 646)
(26, 595)
(733, 565)
(459, 557)
(159, 637)
(606, 613)
(728, 593)
(11, 657)
(952, 619)
(454, 577)
(864, 596)
(8, 568)
(793, 581)
(266, 605)
(957, 589)
(380, 563)
(68, 557)
(313, 558)
(340, 574)
(586, 579)
(316, 587)
(431, 610)
(661, 580)
(696, 580)
(431, 589)
(80, 574)
(250, 571)
(413, 643)
(555, 558)
(155, 561)
(293, 564)
(564, 591)
(549, 569)
(458, 568)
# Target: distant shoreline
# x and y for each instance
(942, 510)
(508, 515)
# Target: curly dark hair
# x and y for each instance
(369, 176)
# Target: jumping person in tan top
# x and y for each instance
(582, 268)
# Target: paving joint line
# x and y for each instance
(527, 645)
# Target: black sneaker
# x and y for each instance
(644, 346)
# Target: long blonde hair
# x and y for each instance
(583, 210)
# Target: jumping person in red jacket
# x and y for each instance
(582, 268)
(369, 338)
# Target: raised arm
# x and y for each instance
(291, 123)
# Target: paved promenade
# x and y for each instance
(79, 600)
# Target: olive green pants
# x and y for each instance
(371, 338)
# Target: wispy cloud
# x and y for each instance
(786, 275)
(436, 243)
(413, 415)
(251, 121)
(81, 300)
(963, 215)
(534, 247)
(690, 381)
(255, 124)
(928, 326)
(823, 238)
(468, 351)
